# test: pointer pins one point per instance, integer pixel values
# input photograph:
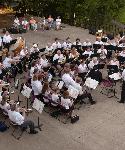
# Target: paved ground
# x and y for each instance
(101, 126)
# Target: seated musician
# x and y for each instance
(73, 54)
(7, 40)
(43, 61)
(98, 41)
(33, 24)
(36, 86)
(46, 92)
(55, 96)
(8, 61)
(67, 77)
(49, 48)
(93, 62)
(32, 69)
(87, 43)
(77, 42)
(34, 48)
(56, 44)
(23, 52)
(114, 61)
(103, 52)
(67, 44)
(59, 57)
(82, 69)
(67, 103)
(83, 92)
(4, 105)
(88, 52)
(20, 119)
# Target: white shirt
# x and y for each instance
(77, 43)
(6, 62)
(44, 62)
(102, 52)
(82, 68)
(16, 117)
(56, 45)
(122, 54)
(112, 62)
(92, 64)
(7, 38)
(68, 80)
(79, 88)
(0, 41)
(33, 50)
(36, 87)
(88, 53)
(49, 48)
(55, 99)
(32, 71)
(99, 42)
(59, 57)
(66, 45)
(87, 44)
(123, 75)
(66, 103)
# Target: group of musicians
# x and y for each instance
(68, 63)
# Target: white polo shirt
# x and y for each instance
(68, 80)
(82, 68)
(36, 87)
(6, 62)
(16, 117)
(66, 103)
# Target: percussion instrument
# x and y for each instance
(16, 48)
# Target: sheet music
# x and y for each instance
(91, 83)
(38, 105)
(26, 91)
(115, 76)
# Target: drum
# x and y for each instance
(16, 48)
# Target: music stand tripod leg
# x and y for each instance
(39, 125)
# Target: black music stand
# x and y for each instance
(95, 55)
(112, 69)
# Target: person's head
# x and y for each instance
(78, 80)
(7, 33)
(94, 59)
(78, 40)
(40, 77)
(66, 94)
(67, 68)
(45, 87)
(33, 64)
(88, 49)
(3, 102)
(68, 39)
(56, 40)
(35, 78)
(114, 59)
(59, 52)
(102, 47)
(43, 57)
(13, 107)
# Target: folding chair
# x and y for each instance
(15, 128)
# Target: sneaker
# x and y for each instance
(93, 102)
(34, 132)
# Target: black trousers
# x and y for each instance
(28, 123)
(123, 93)
(85, 95)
